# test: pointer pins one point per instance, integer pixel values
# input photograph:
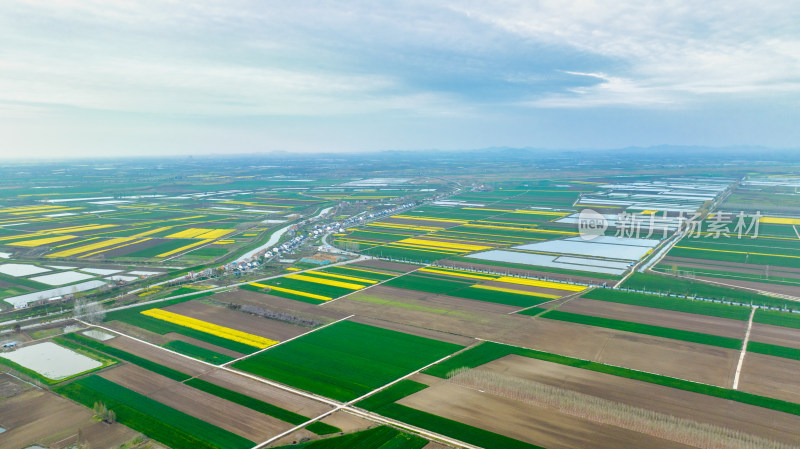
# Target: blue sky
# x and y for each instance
(151, 77)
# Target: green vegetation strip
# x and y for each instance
(774, 350)
(346, 360)
(384, 403)
(775, 318)
(498, 297)
(161, 422)
(382, 437)
(680, 286)
(260, 406)
(134, 317)
(627, 326)
(233, 396)
(668, 303)
(286, 295)
(198, 352)
(488, 351)
(128, 357)
(427, 284)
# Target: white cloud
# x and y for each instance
(667, 52)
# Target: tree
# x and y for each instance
(17, 328)
(91, 312)
(102, 413)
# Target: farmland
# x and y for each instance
(343, 351)
(527, 334)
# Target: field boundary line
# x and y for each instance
(601, 363)
(349, 404)
(566, 298)
(744, 350)
(285, 341)
(23, 380)
(370, 286)
(225, 368)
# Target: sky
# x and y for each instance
(88, 78)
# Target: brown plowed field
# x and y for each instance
(775, 377)
(414, 330)
(536, 425)
(692, 361)
(775, 335)
(708, 264)
(218, 349)
(657, 317)
(278, 304)
(764, 286)
(266, 393)
(734, 415)
(212, 409)
(166, 358)
(38, 416)
(222, 316)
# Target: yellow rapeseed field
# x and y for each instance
(444, 245)
(779, 220)
(90, 247)
(294, 292)
(511, 290)
(347, 285)
(210, 328)
(543, 284)
(457, 273)
(349, 278)
(40, 242)
(184, 248)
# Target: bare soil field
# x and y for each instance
(278, 304)
(347, 422)
(532, 272)
(218, 349)
(763, 286)
(775, 335)
(386, 265)
(770, 376)
(530, 288)
(223, 316)
(692, 361)
(183, 364)
(515, 419)
(432, 300)
(657, 317)
(11, 386)
(683, 404)
(414, 330)
(267, 393)
(212, 409)
(704, 263)
(42, 417)
(755, 269)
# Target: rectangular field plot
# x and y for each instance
(317, 286)
(346, 360)
(609, 247)
(573, 263)
(51, 361)
(164, 423)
